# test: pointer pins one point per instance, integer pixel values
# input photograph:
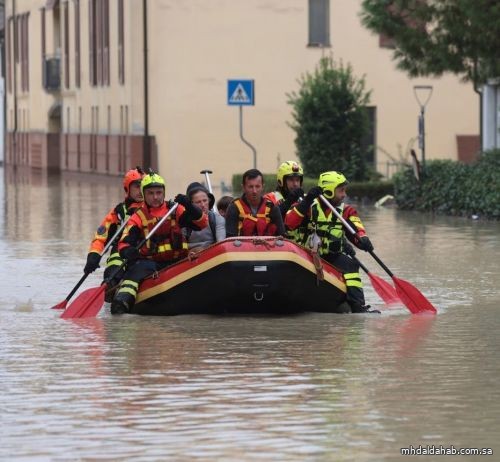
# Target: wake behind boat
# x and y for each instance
(244, 275)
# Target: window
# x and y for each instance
(43, 44)
(77, 43)
(121, 44)
(105, 41)
(99, 42)
(66, 45)
(8, 53)
(319, 23)
(92, 43)
(386, 42)
(23, 49)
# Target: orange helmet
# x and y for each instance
(132, 176)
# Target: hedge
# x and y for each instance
(453, 188)
(372, 190)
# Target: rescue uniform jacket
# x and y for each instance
(168, 242)
(297, 235)
(320, 219)
(112, 221)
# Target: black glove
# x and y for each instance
(349, 249)
(313, 194)
(183, 200)
(131, 254)
(295, 194)
(365, 244)
(92, 264)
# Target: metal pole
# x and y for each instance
(245, 141)
(209, 185)
(422, 89)
(146, 142)
(422, 117)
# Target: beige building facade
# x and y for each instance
(103, 85)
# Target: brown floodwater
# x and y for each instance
(319, 387)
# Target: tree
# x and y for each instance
(329, 120)
(431, 37)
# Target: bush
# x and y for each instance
(372, 190)
(453, 188)
(330, 120)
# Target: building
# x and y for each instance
(101, 86)
(491, 114)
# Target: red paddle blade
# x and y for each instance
(412, 297)
(60, 306)
(87, 304)
(385, 291)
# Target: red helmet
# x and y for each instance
(132, 176)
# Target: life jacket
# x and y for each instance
(168, 242)
(329, 228)
(258, 224)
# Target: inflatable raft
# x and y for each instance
(243, 275)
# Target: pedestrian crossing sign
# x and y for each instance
(240, 92)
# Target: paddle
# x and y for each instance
(207, 179)
(90, 301)
(414, 300)
(62, 305)
(385, 291)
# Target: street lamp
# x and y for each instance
(422, 95)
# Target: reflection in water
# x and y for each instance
(308, 387)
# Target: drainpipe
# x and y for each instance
(480, 93)
(146, 144)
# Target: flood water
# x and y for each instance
(313, 387)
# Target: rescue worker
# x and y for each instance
(324, 225)
(165, 247)
(252, 214)
(289, 189)
(111, 223)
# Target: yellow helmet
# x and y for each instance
(329, 181)
(289, 168)
(151, 180)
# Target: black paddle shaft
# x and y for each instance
(78, 284)
(363, 267)
(381, 263)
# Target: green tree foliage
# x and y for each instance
(432, 37)
(329, 120)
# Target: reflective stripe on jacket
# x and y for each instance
(328, 227)
(258, 224)
(294, 219)
(168, 242)
(110, 224)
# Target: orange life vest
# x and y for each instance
(168, 242)
(258, 224)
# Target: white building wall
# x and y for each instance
(491, 116)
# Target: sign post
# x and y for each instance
(242, 93)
